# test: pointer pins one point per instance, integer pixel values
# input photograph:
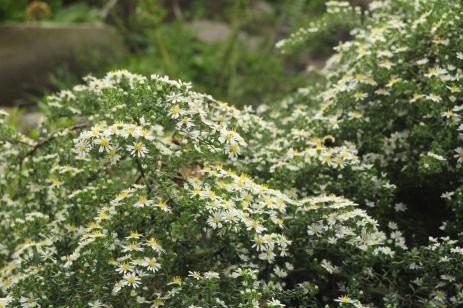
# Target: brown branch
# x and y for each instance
(17, 141)
(49, 139)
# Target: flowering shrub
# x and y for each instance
(394, 92)
(139, 191)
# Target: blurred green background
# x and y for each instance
(225, 48)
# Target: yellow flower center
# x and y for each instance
(104, 142)
(153, 242)
(234, 148)
(344, 299)
(211, 194)
(355, 114)
(137, 146)
(175, 109)
(130, 130)
(177, 280)
(432, 71)
(162, 204)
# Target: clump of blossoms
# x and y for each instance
(140, 192)
(393, 92)
(339, 15)
(133, 194)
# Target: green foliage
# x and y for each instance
(340, 15)
(16, 11)
(240, 67)
(12, 9)
(77, 13)
(139, 191)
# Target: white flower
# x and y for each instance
(387, 64)
(215, 221)
(145, 133)
(124, 268)
(233, 150)
(113, 155)
(3, 116)
(130, 131)
(359, 96)
(143, 201)
(26, 302)
(260, 243)
(211, 275)
(103, 142)
(185, 122)
(447, 195)
(151, 264)
(268, 255)
(400, 207)
(434, 72)
(280, 272)
(448, 114)
(328, 266)
(175, 112)
(132, 246)
(134, 235)
(228, 136)
(162, 204)
(344, 299)
(195, 275)
(131, 280)
(274, 303)
(422, 61)
(176, 98)
(433, 97)
(355, 114)
(153, 243)
(137, 149)
(4, 301)
(96, 304)
(459, 154)
(82, 148)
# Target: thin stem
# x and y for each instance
(143, 176)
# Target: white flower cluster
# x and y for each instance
(139, 191)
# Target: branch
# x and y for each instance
(49, 139)
(107, 8)
(143, 176)
(177, 10)
(17, 141)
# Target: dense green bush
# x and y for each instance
(394, 91)
(139, 191)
